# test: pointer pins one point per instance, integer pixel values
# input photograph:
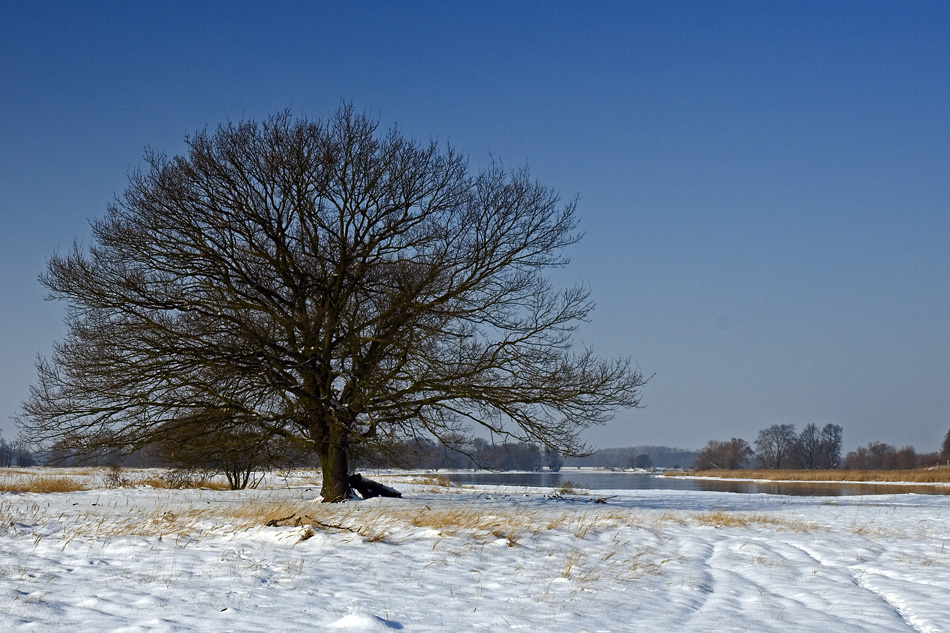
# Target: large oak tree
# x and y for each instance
(327, 282)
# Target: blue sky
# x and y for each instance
(764, 187)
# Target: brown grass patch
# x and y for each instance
(183, 484)
(568, 487)
(276, 514)
(45, 480)
(436, 483)
(919, 476)
(509, 526)
(721, 519)
(41, 484)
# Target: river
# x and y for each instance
(606, 480)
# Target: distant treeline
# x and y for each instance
(229, 454)
(15, 454)
(471, 453)
(635, 457)
(778, 446)
(479, 454)
(234, 453)
(783, 446)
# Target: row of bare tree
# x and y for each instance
(474, 453)
(778, 446)
(244, 458)
(781, 446)
(881, 456)
(14, 454)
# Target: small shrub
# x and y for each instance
(439, 480)
(188, 478)
(114, 477)
(568, 487)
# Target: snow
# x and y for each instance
(470, 558)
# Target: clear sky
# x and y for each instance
(764, 186)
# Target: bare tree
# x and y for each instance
(328, 283)
(809, 447)
(243, 456)
(906, 459)
(729, 455)
(830, 440)
(775, 446)
(881, 456)
(818, 448)
(6, 453)
(552, 459)
(642, 462)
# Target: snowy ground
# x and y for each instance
(470, 559)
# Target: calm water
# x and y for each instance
(636, 481)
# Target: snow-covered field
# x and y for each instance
(449, 558)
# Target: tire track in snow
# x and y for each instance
(695, 554)
(755, 578)
(728, 591)
(896, 608)
(859, 576)
(880, 583)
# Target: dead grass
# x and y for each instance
(184, 484)
(568, 487)
(391, 525)
(434, 483)
(919, 476)
(721, 519)
(513, 526)
(48, 480)
(436, 480)
(180, 518)
(41, 484)
(449, 521)
(274, 514)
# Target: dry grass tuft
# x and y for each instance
(191, 484)
(45, 480)
(568, 487)
(436, 481)
(510, 526)
(721, 519)
(445, 520)
(41, 484)
(186, 479)
(273, 514)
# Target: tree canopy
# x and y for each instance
(329, 283)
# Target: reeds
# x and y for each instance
(919, 476)
(49, 480)
(41, 484)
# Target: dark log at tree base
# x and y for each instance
(367, 488)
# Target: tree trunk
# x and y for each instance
(335, 469)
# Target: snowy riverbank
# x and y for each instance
(473, 558)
